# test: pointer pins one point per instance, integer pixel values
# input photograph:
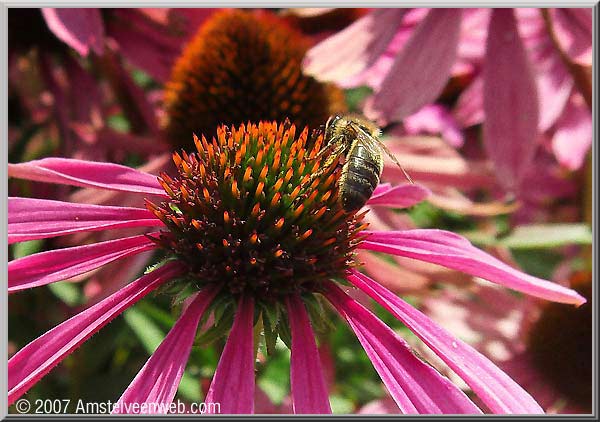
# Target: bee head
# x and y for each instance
(331, 127)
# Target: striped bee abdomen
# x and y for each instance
(360, 177)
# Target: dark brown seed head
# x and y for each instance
(243, 212)
(241, 67)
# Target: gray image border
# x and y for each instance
(5, 5)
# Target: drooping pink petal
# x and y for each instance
(36, 359)
(435, 119)
(401, 196)
(158, 380)
(30, 218)
(309, 392)
(573, 136)
(510, 101)
(497, 390)
(79, 28)
(453, 251)
(47, 267)
(87, 174)
(431, 160)
(147, 45)
(554, 83)
(355, 48)
(420, 70)
(233, 383)
(415, 386)
(573, 29)
(140, 111)
(375, 74)
(468, 110)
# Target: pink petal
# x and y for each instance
(80, 28)
(375, 74)
(30, 218)
(415, 386)
(454, 251)
(573, 136)
(468, 110)
(158, 380)
(47, 267)
(420, 70)
(573, 29)
(355, 48)
(146, 44)
(233, 383)
(402, 196)
(497, 390)
(510, 101)
(554, 83)
(87, 174)
(309, 392)
(140, 112)
(434, 119)
(36, 359)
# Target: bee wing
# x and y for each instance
(367, 141)
(375, 146)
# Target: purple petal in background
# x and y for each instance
(468, 110)
(36, 359)
(420, 70)
(435, 119)
(80, 28)
(87, 174)
(573, 136)
(497, 390)
(510, 101)
(158, 380)
(233, 383)
(554, 83)
(453, 251)
(309, 392)
(30, 218)
(573, 29)
(355, 48)
(61, 264)
(415, 386)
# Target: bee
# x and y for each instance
(358, 141)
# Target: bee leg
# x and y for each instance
(395, 160)
(339, 148)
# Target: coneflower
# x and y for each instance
(244, 233)
(243, 66)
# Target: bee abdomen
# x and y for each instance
(360, 178)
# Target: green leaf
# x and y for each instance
(537, 262)
(218, 330)
(274, 379)
(146, 330)
(340, 404)
(119, 123)
(547, 236)
(151, 336)
(270, 320)
(162, 317)
(68, 292)
(189, 387)
(355, 96)
(283, 328)
(27, 248)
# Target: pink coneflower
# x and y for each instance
(546, 347)
(46, 78)
(239, 226)
(530, 73)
